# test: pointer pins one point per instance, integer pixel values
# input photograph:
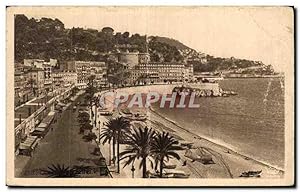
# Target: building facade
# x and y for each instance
(40, 72)
(143, 71)
(159, 72)
(34, 63)
(21, 84)
(64, 79)
(37, 80)
(85, 69)
(128, 59)
(99, 69)
(188, 74)
(48, 79)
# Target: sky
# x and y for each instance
(264, 34)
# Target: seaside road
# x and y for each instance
(62, 145)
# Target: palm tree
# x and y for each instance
(122, 132)
(58, 170)
(84, 121)
(115, 130)
(108, 134)
(139, 142)
(91, 80)
(89, 98)
(74, 91)
(164, 147)
(83, 117)
(90, 91)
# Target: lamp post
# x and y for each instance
(103, 167)
(132, 169)
(96, 104)
(99, 130)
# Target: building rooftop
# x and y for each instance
(33, 69)
(165, 63)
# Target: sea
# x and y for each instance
(251, 122)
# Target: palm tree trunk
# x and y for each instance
(161, 167)
(118, 152)
(114, 151)
(144, 168)
(109, 154)
(91, 112)
(95, 121)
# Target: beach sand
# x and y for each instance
(227, 162)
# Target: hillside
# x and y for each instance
(171, 42)
(48, 38)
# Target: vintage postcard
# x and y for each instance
(150, 96)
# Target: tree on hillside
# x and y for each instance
(169, 53)
(43, 39)
(118, 74)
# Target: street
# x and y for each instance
(63, 145)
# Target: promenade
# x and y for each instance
(61, 145)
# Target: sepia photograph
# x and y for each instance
(150, 96)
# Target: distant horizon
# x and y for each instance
(262, 34)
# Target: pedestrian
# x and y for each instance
(51, 128)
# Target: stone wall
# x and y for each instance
(167, 88)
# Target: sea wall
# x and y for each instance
(167, 88)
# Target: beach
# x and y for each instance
(227, 162)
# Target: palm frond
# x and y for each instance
(57, 171)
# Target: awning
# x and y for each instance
(35, 144)
(43, 125)
(171, 171)
(24, 146)
(61, 104)
(28, 143)
(67, 85)
(52, 113)
(37, 122)
(40, 129)
(48, 119)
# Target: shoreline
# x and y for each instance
(253, 77)
(226, 157)
(215, 144)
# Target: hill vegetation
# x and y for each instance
(47, 38)
(171, 42)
